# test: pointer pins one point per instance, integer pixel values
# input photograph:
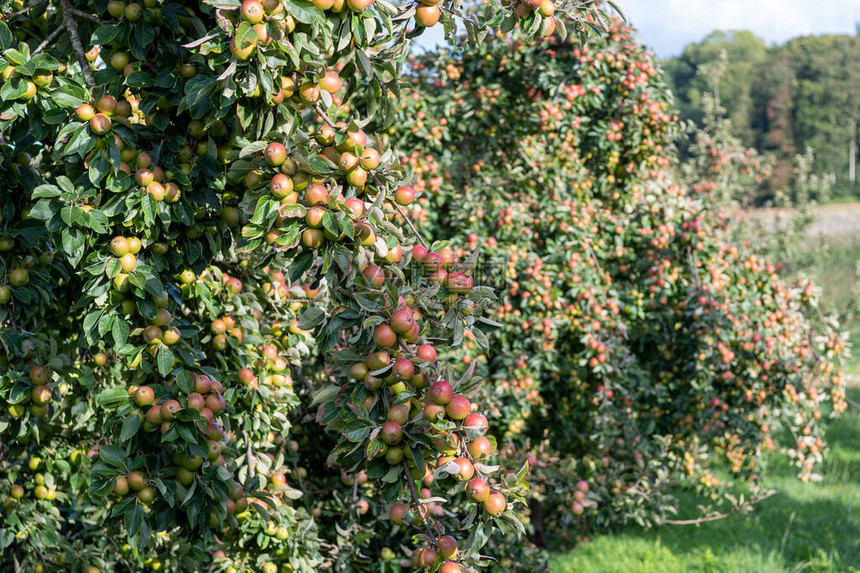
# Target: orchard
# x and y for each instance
(640, 351)
(246, 317)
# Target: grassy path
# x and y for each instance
(803, 527)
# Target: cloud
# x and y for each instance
(668, 25)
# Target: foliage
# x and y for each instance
(191, 211)
(784, 99)
(638, 348)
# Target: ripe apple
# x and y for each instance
(458, 407)
(426, 16)
(495, 503)
(144, 396)
(478, 490)
(447, 547)
(440, 392)
(391, 433)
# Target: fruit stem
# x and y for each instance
(75, 39)
(416, 500)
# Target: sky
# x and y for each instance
(669, 25)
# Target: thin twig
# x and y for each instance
(90, 17)
(48, 40)
(75, 38)
(23, 10)
(323, 115)
(405, 215)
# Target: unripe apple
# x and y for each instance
(241, 54)
(357, 177)
(120, 486)
(38, 375)
(116, 8)
(377, 360)
(399, 414)
(394, 455)
(312, 238)
(41, 395)
(252, 11)
(309, 93)
(136, 480)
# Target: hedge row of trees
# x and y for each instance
(269, 304)
(783, 99)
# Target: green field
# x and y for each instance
(803, 527)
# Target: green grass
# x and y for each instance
(803, 527)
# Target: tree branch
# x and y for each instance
(23, 10)
(48, 40)
(417, 501)
(75, 38)
(323, 116)
(90, 17)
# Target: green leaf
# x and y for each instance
(311, 318)
(6, 37)
(113, 455)
(130, 426)
(325, 395)
(105, 34)
(120, 331)
(165, 361)
(112, 396)
(303, 11)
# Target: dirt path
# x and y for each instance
(834, 219)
